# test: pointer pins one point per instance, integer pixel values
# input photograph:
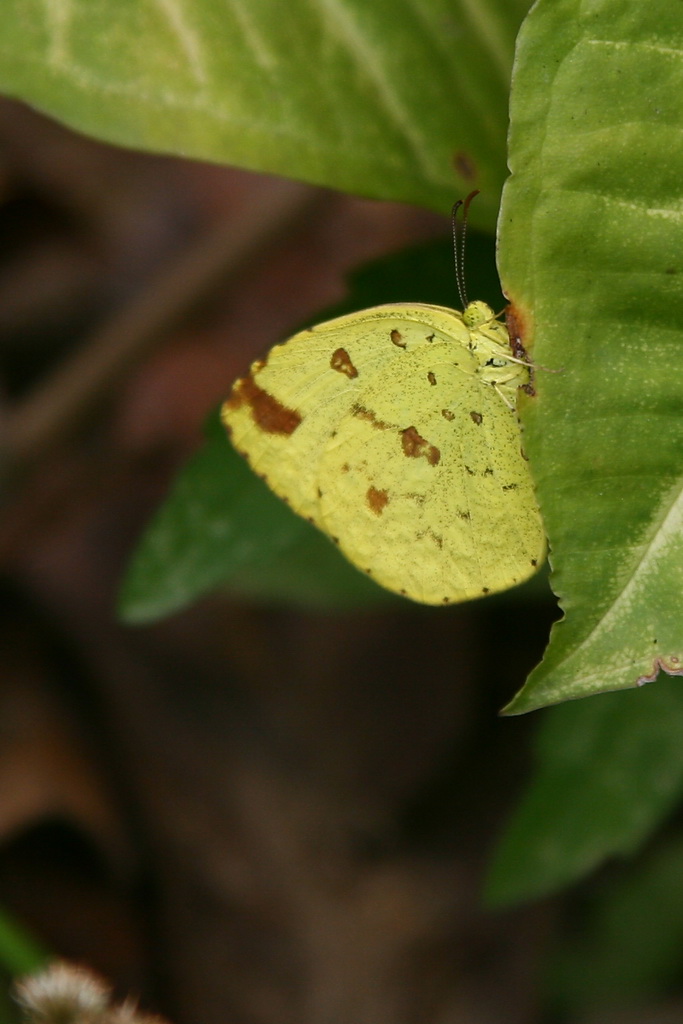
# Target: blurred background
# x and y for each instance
(242, 814)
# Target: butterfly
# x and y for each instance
(394, 431)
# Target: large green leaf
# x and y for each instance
(608, 771)
(591, 252)
(402, 99)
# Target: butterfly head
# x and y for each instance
(477, 313)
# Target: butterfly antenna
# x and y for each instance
(459, 233)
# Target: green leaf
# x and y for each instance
(608, 771)
(591, 252)
(222, 527)
(397, 99)
(626, 948)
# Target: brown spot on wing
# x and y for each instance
(448, 414)
(367, 414)
(416, 447)
(477, 418)
(431, 377)
(429, 534)
(397, 338)
(419, 499)
(341, 362)
(267, 413)
(377, 500)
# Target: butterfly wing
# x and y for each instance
(424, 485)
(386, 429)
(283, 413)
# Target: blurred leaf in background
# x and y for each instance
(608, 772)
(623, 949)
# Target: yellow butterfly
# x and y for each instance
(394, 431)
